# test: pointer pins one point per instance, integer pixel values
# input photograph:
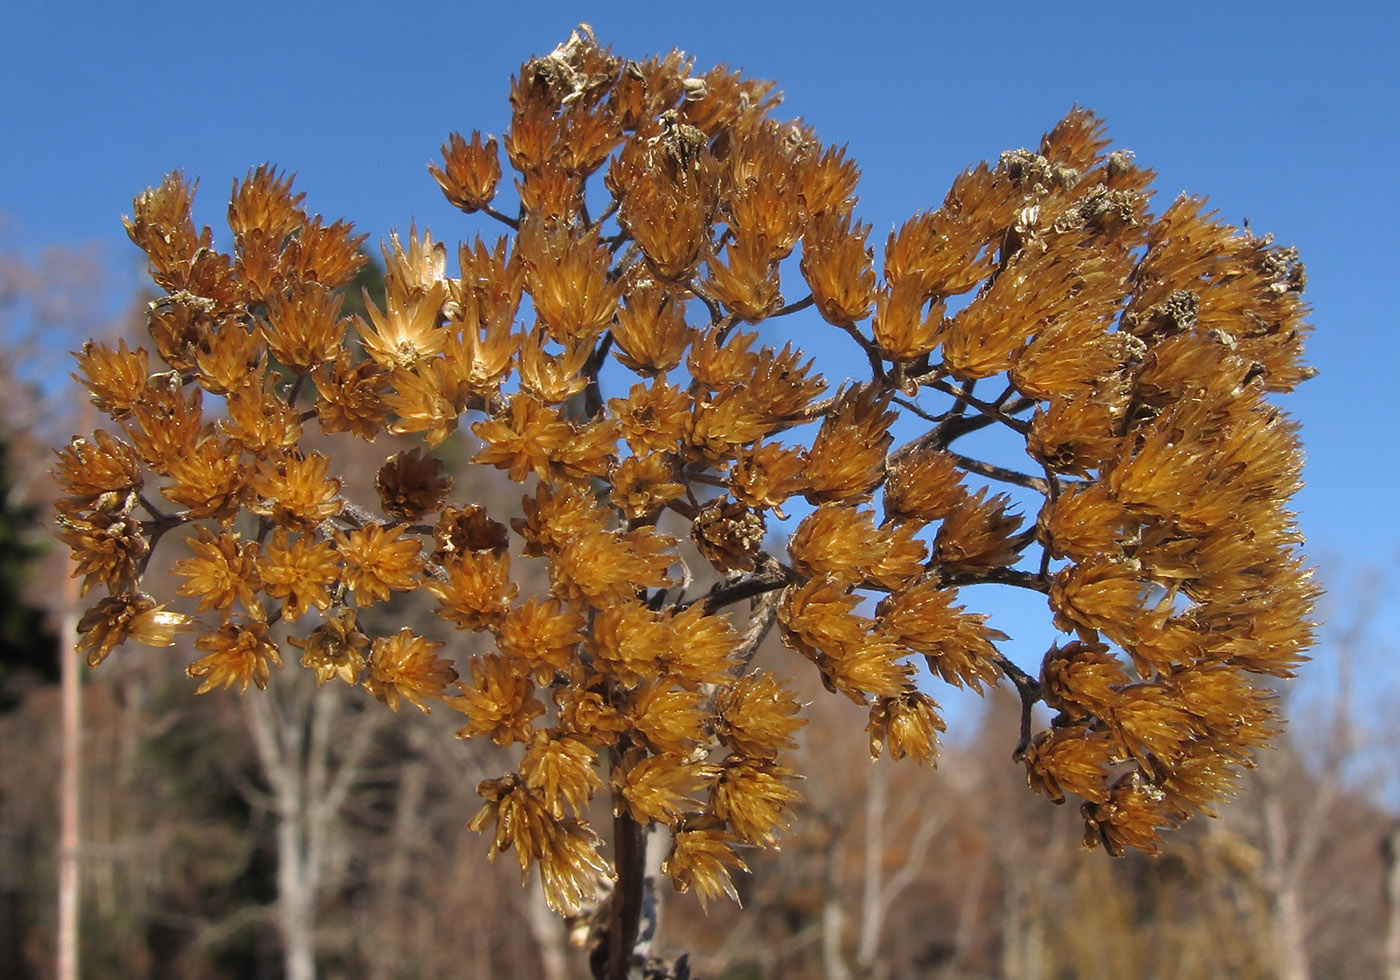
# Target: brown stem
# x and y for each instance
(625, 912)
(685, 508)
(608, 212)
(695, 474)
(999, 576)
(154, 530)
(629, 255)
(762, 616)
(502, 218)
(592, 394)
(155, 512)
(794, 307)
(296, 389)
(872, 352)
(1052, 480)
(716, 313)
(815, 410)
(1002, 473)
(964, 396)
(951, 427)
(913, 407)
(773, 576)
(1031, 692)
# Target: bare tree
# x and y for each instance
(1296, 828)
(311, 745)
(879, 890)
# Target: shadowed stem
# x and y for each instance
(592, 394)
(716, 312)
(872, 352)
(1004, 415)
(773, 575)
(1002, 473)
(625, 909)
(296, 389)
(504, 219)
(1030, 692)
(794, 307)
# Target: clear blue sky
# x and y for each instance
(1284, 113)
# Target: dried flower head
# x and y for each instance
(407, 666)
(1130, 361)
(377, 561)
(411, 484)
(239, 653)
(222, 573)
(336, 648)
(127, 616)
(470, 171)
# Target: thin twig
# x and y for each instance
(716, 313)
(987, 409)
(1000, 576)
(592, 394)
(924, 440)
(794, 307)
(355, 515)
(153, 510)
(775, 575)
(762, 615)
(154, 530)
(1003, 474)
(628, 257)
(607, 212)
(963, 394)
(872, 352)
(693, 475)
(296, 389)
(1053, 479)
(949, 429)
(513, 223)
(913, 407)
(625, 910)
(816, 409)
(1030, 692)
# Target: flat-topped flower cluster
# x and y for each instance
(1134, 357)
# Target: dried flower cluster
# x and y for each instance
(1132, 356)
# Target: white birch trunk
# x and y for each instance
(833, 916)
(1285, 902)
(872, 906)
(833, 924)
(880, 891)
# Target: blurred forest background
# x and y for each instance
(218, 831)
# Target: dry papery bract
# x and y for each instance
(1133, 356)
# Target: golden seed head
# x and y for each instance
(1137, 358)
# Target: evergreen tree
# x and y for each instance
(27, 644)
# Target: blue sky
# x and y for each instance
(1283, 113)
